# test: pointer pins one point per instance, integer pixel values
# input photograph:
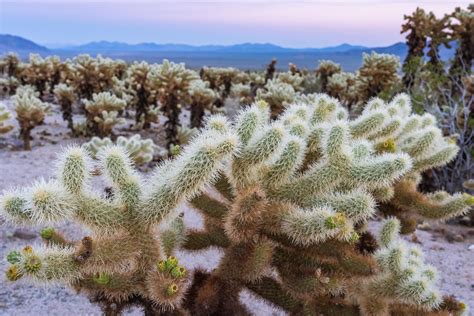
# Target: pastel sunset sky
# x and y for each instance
(310, 23)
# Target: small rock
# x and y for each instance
(425, 226)
(24, 234)
(471, 247)
(454, 237)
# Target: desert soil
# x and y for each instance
(453, 259)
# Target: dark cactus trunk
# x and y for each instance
(197, 114)
(172, 111)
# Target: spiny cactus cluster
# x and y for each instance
(65, 96)
(139, 150)
(288, 206)
(293, 202)
(103, 113)
(122, 261)
(4, 117)
(172, 81)
(396, 129)
(30, 112)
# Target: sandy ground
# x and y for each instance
(17, 168)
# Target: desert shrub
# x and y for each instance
(65, 96)
(5, 115)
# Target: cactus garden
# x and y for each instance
(156, 188)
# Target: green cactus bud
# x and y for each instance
(178, 272)
(47, 233)
(32, 264)
(175, 150)
(14, 257)
(102, 278)
(172, 289)
(171, 263)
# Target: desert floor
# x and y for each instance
(453, 258)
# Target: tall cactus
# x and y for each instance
(288, 212)
(172, 81)
(66, 97)
(122, 262)
(396, 129)
(30, 112)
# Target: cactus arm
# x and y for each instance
(198, 240)
(209, 206)
(439, 205)
(186, 175)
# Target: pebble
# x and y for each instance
(24, 234)
(471, 247)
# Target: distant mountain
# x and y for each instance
(19, 44)
(106, 46)
(244, 56)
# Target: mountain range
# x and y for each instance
(245, 55)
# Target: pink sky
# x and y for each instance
(288, 23)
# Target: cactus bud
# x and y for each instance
(178, 272)
(102, 278)
(47, 233)
(13, 273)
(14, 257)
(172, 289)
(32, 264)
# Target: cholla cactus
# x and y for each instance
(378, 75)
(103, 113)
(4, 117)
(144, 98)
(294, 79)
(404, 277)
(139, 150)
(8, 86)
(123, 261)
(172, 81)
(326, 69)
(66, 97)
(203, 99)
(396, 129)
(30, 112)
(36, 73)
(287, 212)
(221, 81)
(277, 94)
(243, 92)
(342, 86)
(10, 64)
(91, 75)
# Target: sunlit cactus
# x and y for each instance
(139, 150)
(203, 99)
(405, 285)
(393, 128)
(172, 81)
(123, 261)
(65, 96)
(5, 115)
(30, 112)
(286, 211)
(243, 92)
(103, 113)
(378, 75)
(277, 94)
(326, 69)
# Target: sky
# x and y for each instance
(290, 23)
